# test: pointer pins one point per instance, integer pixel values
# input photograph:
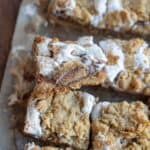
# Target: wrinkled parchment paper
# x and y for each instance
(29, 23)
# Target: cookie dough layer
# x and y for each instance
(59, 115)
(120, 126)
(121, 64)
(132, 16)
(69, 63)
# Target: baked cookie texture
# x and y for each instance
(69, 63)
(128, 65)
(116, 15)
(120, 126)
(59, 115)
(121, 64)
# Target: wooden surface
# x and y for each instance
(8, 14)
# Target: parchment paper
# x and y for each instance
(29, 23)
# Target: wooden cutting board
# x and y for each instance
(8, 14)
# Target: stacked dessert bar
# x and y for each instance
(114, 126)
(62, 115)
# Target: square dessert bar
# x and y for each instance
(121, 64)
(130, 16)
(69, 63)
(59, 115)
(120, 126)
(128, 64)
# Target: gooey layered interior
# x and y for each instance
(126, 63)
(112, 14)
(120, 125)
(60, 117)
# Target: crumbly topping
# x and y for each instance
(122, 126)
(116, 20)
(64, 114)
(137, 63)
(133, 45)
(136, 84)
(110, 14)
(147, 77)
(112, 59)
(139, 8)
(129, 81)
(68, 62)
(75, 64)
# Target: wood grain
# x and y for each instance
(8, 15)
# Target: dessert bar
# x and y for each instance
(59, 115)
(120, 126)
(69, 63)
(126, 16)
(128, 64)
(121, 64)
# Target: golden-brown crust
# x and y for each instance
(62, 119)
(72, 74)
(47, 88)
(69, 72)
(139, 8)
(116, 19)
(124, 80)
(132, 45)
(127, 81)
(122, 126)
(135, 78)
